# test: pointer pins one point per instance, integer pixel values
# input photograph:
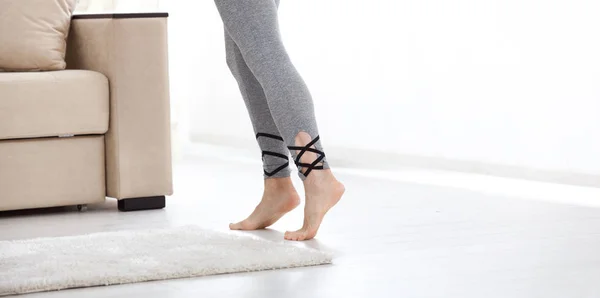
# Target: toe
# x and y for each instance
(302, 236)
(243, 225)
(288, 235)
(295, 236)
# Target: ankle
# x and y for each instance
(279, 184)
(319, 178)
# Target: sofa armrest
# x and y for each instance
(131, 50)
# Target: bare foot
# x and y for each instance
(323, 191)
(279, 198)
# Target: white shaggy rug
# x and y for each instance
(46, 264)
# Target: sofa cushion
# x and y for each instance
(54, 103)
(33, 34)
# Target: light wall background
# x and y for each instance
(510, 87)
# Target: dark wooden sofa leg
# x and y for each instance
(145, 203)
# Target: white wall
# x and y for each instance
(506, 82)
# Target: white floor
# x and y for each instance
(409, 233)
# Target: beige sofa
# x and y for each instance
(99, 128)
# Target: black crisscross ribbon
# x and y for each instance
(275, 154)
(308, 166)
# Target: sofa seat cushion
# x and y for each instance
(54, 103)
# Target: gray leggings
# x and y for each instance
(277, 99)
